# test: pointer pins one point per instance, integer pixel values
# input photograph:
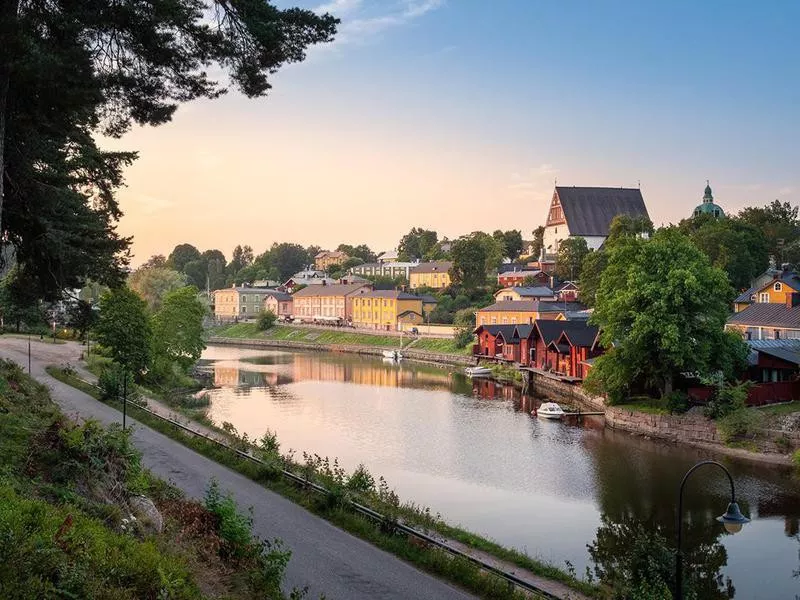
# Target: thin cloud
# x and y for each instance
(786, 191)
(366, 23)
(150, 204)
(537, 183)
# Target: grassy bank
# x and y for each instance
(359, 486)
(346, 337)
(74, 523)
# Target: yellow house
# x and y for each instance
(324, 260)
(435, 275)
(539, 292)
(523, 312)
(243, 302)
(325, 303)
(776, 291)
(385, 309)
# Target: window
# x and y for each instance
(494, 320)
(505, 320)
(763, 297)
(778, 287)
(244, 309)
(483, 321)
(513, 320)
(244, 298)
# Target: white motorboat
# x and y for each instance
(550, 410)
(392, 354)
(477, 372)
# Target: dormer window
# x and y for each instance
(778, 287)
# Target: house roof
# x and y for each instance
(428, 299)
(768, 315)
(392, 294)
(565, 285)
(438, 266)
(523, 331)
(506, 330)
(548, 330)
(408, 312)
(580, 333)
(279, 296)
(787, 354)
(590, 210)
(336, 289)
(746, 296)
(532, 306)
(539, 291)
(518, 271)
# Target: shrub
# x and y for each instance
(463, 337)
(796, 458)
(727, 399)
(234, 528)
(266, 319)
(677, 402)
(111, 382)
(741, 422)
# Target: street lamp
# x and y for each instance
(733, 519)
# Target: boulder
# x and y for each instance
(146, 513)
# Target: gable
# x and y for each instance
(589, 210)
(555, 215)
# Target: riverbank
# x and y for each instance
(430, 350)
(361, 487)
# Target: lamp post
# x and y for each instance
(733, 519)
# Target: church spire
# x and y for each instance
(708, 196)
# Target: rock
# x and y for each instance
(146, 514)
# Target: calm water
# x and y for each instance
(472, 452)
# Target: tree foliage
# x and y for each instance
(178, 330)
(361, 252)
(154, 284)
(469, 261)
(737, 247)
(778, 222)
(124, 328)
(71, 69)
(417, 243)
(266, 319)
(511, 243)
(661, 308)
(571, 254)
(18, 303)
(182, 255)
(538, 241)
(81, 316)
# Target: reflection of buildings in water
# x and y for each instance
(317, 368)
(233, 376)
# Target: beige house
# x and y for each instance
(325, 302)
(325, 259)
(435, 275)
(243, 302)
(280, 303)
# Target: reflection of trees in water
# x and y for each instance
(633, 559)
(637, 482)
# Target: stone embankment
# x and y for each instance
(409, 353)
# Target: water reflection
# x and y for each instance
(472, 451)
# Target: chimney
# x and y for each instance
(792, 300)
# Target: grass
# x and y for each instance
(645, 404)
(65, 526)
(307, 335)
(781, 409)
(431, 559)
(443, 346)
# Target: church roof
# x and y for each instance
(708, 207)
(590, 210)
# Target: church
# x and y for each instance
(587, 212)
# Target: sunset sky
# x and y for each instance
(458, 115)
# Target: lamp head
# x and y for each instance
(733, 519)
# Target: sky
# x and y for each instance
(460, 115)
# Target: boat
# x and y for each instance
(477, 372)
(392, 354)
(550, 410)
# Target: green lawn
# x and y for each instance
(445, 346)
(645, 404)
(781, 409)
(311, 336)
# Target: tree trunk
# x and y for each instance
(667, 386)
(8, 17)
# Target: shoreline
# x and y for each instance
(573, 393)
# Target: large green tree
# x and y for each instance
(178, 331)
(469, 254)
(571, 254)
(181, 255)
(155, 283)
(362, 252)
(124, 328)
(778, 222)
(538, 241)
(511, 242)
(661, 308)
(18, 303)
(287, 258)
(69, 70)
(417, 243)
(737, 247)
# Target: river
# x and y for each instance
(472, 452)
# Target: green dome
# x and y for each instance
(708, 207)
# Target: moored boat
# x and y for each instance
(392, 354)
(549, 410)
(477, 372)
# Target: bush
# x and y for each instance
(727, 399)
(463, 337)
(677, 402)
(796, 458)
(741, 422)
(111, 382)
(266, 319)
(234, 528)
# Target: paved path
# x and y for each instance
(326, 559)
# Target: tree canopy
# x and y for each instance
(153, 284)
(361, 252)
(178, 330)
(469, 261)
(778, 222)
(416, 244)
(124, 328)
(71, 69)
(661, 308)
(538, 241)
(511, 242)
(571, 254)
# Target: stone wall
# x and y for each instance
(677, 428)
(555, 389)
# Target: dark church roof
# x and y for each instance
(590, 210)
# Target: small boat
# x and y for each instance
(477, 372)
(550, 410)
(392, 354)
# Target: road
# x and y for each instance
(326, 559)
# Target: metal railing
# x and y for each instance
(378, 518)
